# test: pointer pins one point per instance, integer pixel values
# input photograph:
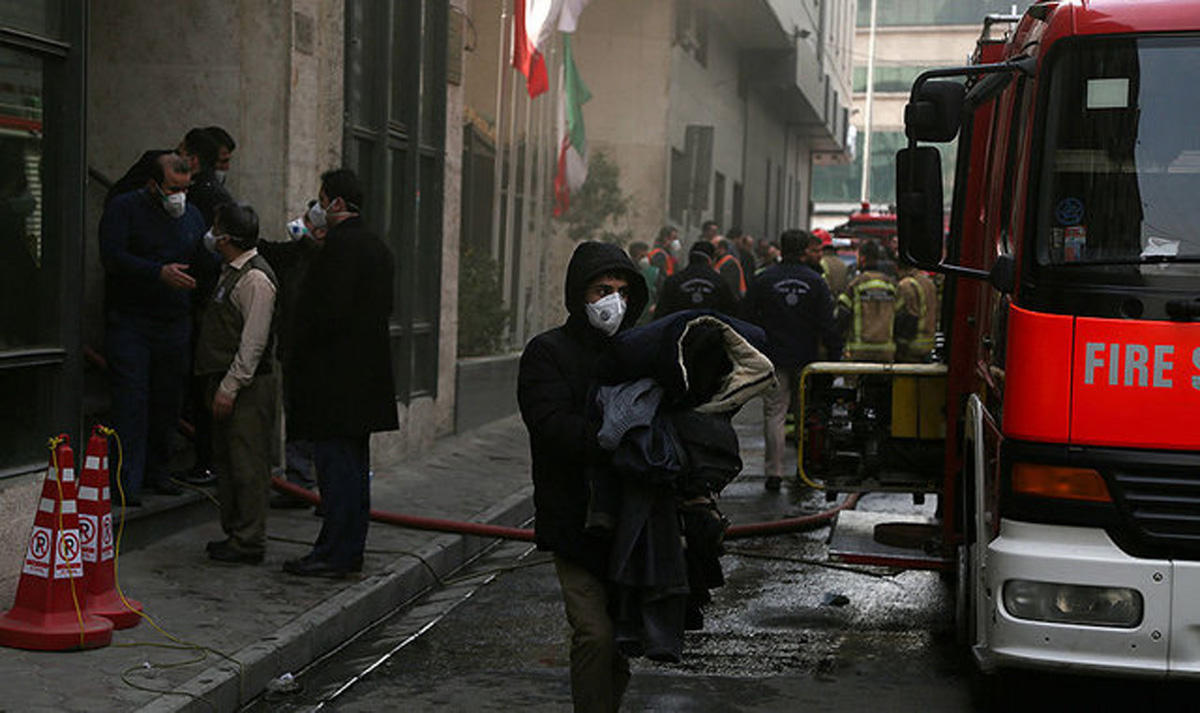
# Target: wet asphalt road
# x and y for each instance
(775, 639)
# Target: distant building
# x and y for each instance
(710, 110)
(911, 37)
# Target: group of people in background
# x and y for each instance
(200, 304)
(799, 293)
(812, 303)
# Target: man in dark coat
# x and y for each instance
(557, 379)
(792, 303)
(696, 287)
(339, 364)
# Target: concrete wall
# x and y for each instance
(623, 50)
(707, 95)
(18, 503)
(157, 69)
(451, 226)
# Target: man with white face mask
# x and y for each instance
(604, 294)
(339, 384)
(149, 245)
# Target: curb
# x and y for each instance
(327, 625)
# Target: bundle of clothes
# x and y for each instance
(669, 391)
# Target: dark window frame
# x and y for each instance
(406, 143)
(59, 364)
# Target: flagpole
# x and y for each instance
(511, 194)
(527, 200)
(497, 149)
(865, 193)
(533, 269)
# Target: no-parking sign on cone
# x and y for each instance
(49, 613)
(97, 540)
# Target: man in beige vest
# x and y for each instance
(235, 352)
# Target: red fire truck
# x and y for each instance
(1070, 485)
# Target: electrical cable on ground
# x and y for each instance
(180, 644)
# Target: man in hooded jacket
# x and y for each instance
(556, 384)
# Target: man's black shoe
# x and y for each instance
(199, 476)
(773, 483)
(284, 501)
(225, 552)
(214, 544)
(165, 487)
(304, 567)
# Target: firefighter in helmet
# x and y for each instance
(916, 321)
(868, 308)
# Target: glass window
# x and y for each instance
(25, 421)
(843, 183)
(935, 12)
(1122, 166)
(888, 79)
(39, 17)
(28, 270)
(406, 17)
(395, 97)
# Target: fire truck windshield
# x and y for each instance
(1121, 165)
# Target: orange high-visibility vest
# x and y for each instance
(670, 264)
(741, 273)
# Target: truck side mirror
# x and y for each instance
(934, 112)
(919, 214)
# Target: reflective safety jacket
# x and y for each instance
(730, 270)
(836, 273)
(919, 297)
(872, 301)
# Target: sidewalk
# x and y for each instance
(269, 621)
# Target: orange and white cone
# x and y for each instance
(97, 541)
(49, 613)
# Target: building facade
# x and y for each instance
(707, 109)
(911, 37)
(303, 86)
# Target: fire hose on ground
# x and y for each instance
(757, 529)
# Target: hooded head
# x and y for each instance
(592, 260)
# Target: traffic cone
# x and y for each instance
(96, 537)
(49, 612)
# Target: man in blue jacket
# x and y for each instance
(793, 305)
(149, 240)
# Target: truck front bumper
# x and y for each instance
(1166, 640)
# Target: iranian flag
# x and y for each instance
(572, 143)
(534, 22)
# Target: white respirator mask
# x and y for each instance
(606, 313)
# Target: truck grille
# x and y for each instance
(1162, 504)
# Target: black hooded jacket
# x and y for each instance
(554, 387)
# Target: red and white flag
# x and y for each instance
(534, 22)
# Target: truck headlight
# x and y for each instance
(1073, 603)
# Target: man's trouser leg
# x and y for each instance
(299, 459)
(599, 672)
(168, 374)
(128, 357)
(343, 468)
(241, 447)
(775, 408)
